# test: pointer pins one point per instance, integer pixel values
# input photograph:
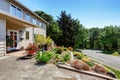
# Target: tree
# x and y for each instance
(110, 36)
(45, 16)
(81, 37)
(93, 37)
(69, 28)
(107, 38)
(52, 29)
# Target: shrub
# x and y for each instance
(31, 48)
(58, 50)
(76, 53)
(80, 56)
(116, 54)
(66, 57)
(70, 48)
(40, 40)
(108, 52)
(88, 61)
(80, 65)
(65, 49)
(9, 41)
(44, 57)
(48, 41)
(99, 69)
(57, 57)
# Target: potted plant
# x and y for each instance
(9, 42)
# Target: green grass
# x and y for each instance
(116, 54)
(114, 70)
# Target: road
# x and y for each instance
(113, 61)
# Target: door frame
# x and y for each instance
(8, 33)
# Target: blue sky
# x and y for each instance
(91, 13)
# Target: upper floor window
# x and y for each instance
(18, 12)
(15, 11)
(39, 24)
(34, 21)
(28, 17)
(43, 26)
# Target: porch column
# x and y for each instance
(32, 34)
(2, 36)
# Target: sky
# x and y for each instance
(91, 13)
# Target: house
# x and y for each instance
(20, 24)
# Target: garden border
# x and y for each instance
(85, 72)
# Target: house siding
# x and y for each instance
(2, 36)
(5, 5)
(24, 43)
(40, 31)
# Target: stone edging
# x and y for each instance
(85, 72)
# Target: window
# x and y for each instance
(27, 34)
(34, 21)
(18, 13)
(13, 10)
(44, 26)
(39, 23)
(28, 17)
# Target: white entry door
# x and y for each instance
(14, 36)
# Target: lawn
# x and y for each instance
(114, 70)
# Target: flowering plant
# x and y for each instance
(70, 48)
(31, 48)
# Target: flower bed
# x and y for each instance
(80, 62)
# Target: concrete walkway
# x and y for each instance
(113, 61)
(17, 53)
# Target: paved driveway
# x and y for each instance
(13, 68)
(110, 60)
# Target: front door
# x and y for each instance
(14, 36)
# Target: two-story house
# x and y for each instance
(20, 24)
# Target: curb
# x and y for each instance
(86, 72)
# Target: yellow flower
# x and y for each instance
(76, 53)
(86, 59)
